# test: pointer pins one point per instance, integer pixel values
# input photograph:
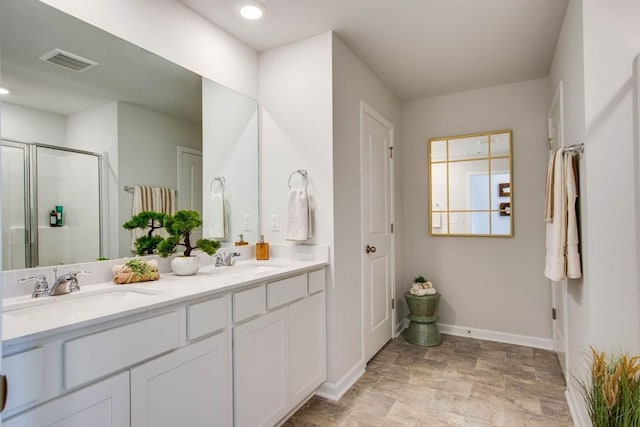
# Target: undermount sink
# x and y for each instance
(251, 268)
(76, 305)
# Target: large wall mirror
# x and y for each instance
(470, 185)
(80, 138)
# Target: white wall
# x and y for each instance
(296, 132)
(611, 42)
(96, 130)
(353, 82)
(594, 59)
(147, 155)
(24, 124)
(173, 31)
(488, 283)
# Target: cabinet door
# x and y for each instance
(188, 387)
(308, 351)
(261, 368)
(104, 404)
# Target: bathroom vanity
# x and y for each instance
(241, 345)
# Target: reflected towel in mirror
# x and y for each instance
(298, 215)
(157, 199)
(217, 226)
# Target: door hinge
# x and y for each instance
(391, 228)
(553, 314)
(391, 152)
(393, 303)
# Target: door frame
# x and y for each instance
(185, 150)
(368, 110)
(559, 288)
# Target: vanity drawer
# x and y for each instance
(24, 373)
(206, 317)
(93, 356)
(287, 290)
(248, 303)
(316, 281)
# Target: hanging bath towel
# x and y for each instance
(574, 270)
(555, 268)
(298, 216)
(142, 201)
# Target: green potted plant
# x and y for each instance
(180, 226)
(146, 245)
(612, 392)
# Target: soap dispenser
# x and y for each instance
(262, 249)
(241, 242)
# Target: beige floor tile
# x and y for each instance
(463, 382)
(480, 410)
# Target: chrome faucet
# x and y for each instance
(227, 259)
(64, 284)
(40, 287)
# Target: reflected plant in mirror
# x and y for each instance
(470, 185)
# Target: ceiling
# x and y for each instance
(127, 73)
(418, 48)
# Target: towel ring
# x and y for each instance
(301, 172)
(220, 180)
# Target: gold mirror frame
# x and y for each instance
(459, 162)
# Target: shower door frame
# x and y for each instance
(31, 201)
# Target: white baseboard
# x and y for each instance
(484, 334)
(577, 408)
(401, 326)
(334, 391)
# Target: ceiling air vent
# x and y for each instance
(68, 60)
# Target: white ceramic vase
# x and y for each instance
(185, 265)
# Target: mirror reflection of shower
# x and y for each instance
(51, 205)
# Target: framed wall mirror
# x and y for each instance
(470, 185)
(130, 118)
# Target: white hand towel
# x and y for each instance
(574, 270)
(216, 223)
(298, 216)
(555, 267)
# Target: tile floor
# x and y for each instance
(463, 382)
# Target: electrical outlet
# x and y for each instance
(275, 222)
(247, 223)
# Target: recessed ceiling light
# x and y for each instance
(4, 91)
(251, 9)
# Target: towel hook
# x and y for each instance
(303, 173)
(221, 180)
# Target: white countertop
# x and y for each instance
(103, 302)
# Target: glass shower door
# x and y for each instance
(69, 180)
(15, 206)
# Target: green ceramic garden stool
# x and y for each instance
(423, 329)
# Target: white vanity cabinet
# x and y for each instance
(246, 356)
(103, 404)
(187, 387)
(279, 357)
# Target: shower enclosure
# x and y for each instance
(37, 180)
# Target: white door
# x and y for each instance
(558, 289)
(377, 218)
(190, 183)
